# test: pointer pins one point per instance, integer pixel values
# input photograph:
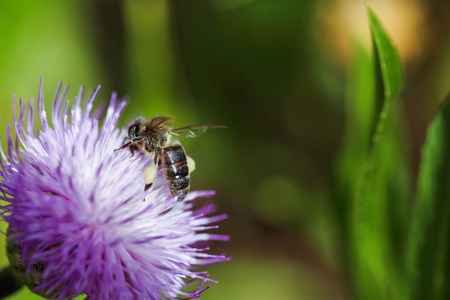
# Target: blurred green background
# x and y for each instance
(279, 74)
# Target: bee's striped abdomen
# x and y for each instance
(176, 170)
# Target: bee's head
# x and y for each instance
(133, 129)
(135, 142)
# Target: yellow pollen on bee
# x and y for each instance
(150, 173)
(191, 164)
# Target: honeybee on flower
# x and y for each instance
(75, 209)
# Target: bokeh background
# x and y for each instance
(275, 72)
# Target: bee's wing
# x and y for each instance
(192, 131)
(157, 121)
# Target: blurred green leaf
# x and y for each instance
(388, 70)
(379, 217)
(353, 152)
(382, 187)
(359, 115)
(374, 174)
(390, 63)
(427, 256)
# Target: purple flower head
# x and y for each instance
(79, 218)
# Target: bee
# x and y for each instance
(154, 138)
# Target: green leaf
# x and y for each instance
(379, 208)
(389, 75)
(389, 60)
(427, 254)
(352, 156)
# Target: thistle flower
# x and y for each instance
(79, 218)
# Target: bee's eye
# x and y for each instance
(132, 131)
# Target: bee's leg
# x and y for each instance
(150, 176)
(133, 148)
(150, 172)
(181, 196)
(156, 159)
(123, 146)
(191, 164)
